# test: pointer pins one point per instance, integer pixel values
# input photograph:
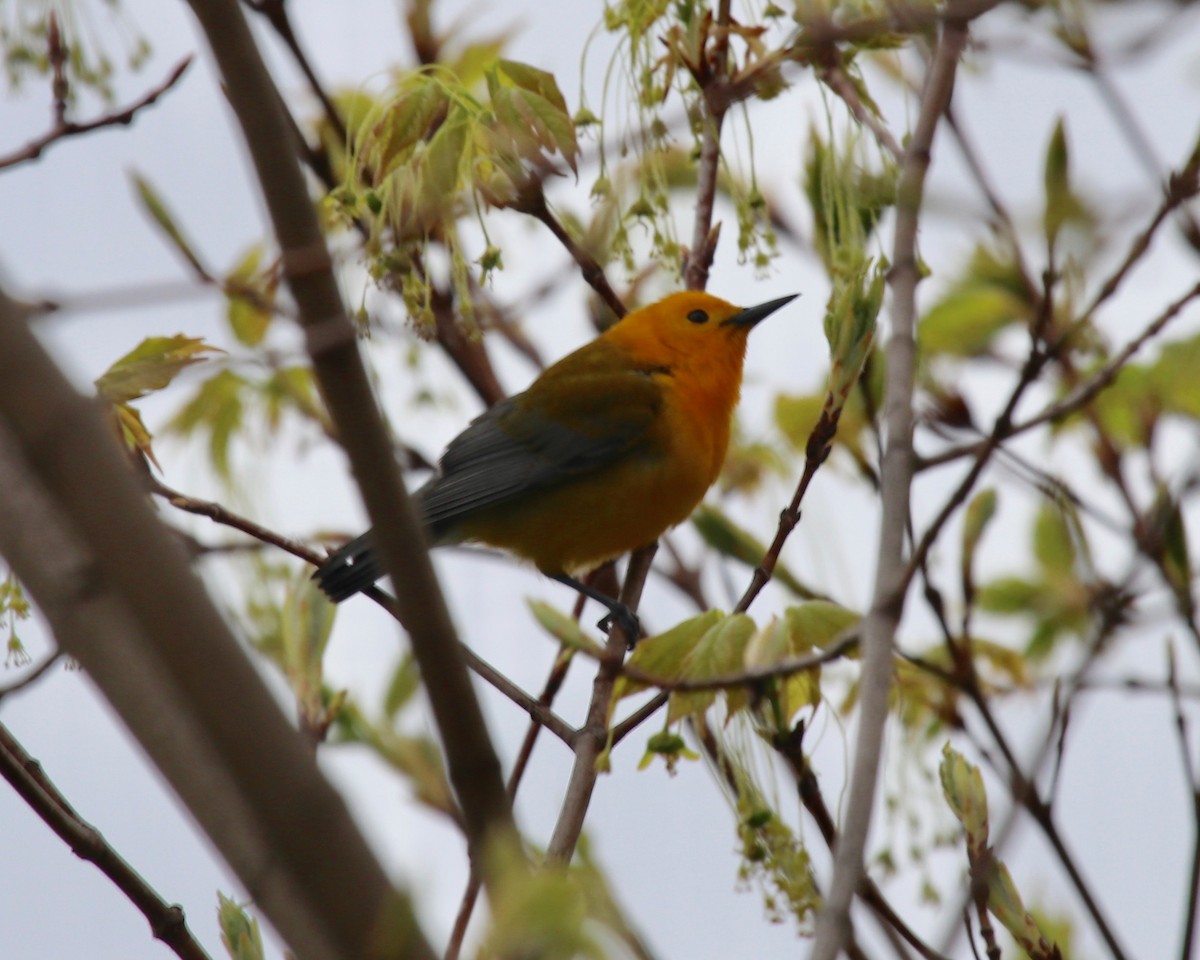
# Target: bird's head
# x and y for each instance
(693, 328)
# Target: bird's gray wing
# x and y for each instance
(567, 427)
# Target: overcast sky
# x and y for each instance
(70, 230)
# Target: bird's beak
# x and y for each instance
(751, 315)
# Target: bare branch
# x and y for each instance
(878, 629)
(64, 129)
(25, 775)
(118, 593)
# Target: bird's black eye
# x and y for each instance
(698, 316)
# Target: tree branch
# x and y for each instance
(119, 595)
(473, 766)
(25, 775)
(593, 735)
(64, 129)
(878, 630)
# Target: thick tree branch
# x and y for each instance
(473, 767)
(118, 593)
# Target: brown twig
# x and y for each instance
(1189, 771)
(790, 747)
(816, 452)
(32, 677)
(1081, 396)
(554, 682)
(593, 274)
(751, 676)
(712, 76)
(219, 514)
(834, 76)
(25, 775)
(64, 129)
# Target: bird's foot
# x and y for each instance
(621, 616)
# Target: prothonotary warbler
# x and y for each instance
(607, 449)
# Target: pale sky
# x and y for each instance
(71, 230)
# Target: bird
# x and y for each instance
(605, 451)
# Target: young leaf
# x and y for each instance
(664, 655)
(149, 366)
(717, 653)
(154, 205)
(531, 110)
(566, 630)
(239, 931)
(962, 786)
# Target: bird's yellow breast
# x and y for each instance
(584, 521)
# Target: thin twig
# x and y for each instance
(713, 78)
(219, 514)
(554, 682)
(752, 676)
(24, 774)
(834, 77)
(1081, 396)
(808, 787)
(593, 274)
(32, 677)
(66, 128)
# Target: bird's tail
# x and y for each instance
(349, 569)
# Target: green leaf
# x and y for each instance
(1173, 376)
(566, 630)
(962, 786)
(669, 747)
(717, 653)
(251, 299)
(1004, 902)
(416, 757)
(1059, 201)
(965, 322)
(217, 409)
(150, 366)
(134, 432)
(1053, 544)
(531, 110)
(1010, 595)
(406, 681)
(305, 626)
(292, 388)
(407, 120)
(817, 624)
(663, 656)
(986, 299)
(161, 215)
(239, 931)
(441, 163)
(542, 913)
(979, 514)
(730, 540)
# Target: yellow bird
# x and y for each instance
(610, 447)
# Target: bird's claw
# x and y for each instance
(627, 620)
